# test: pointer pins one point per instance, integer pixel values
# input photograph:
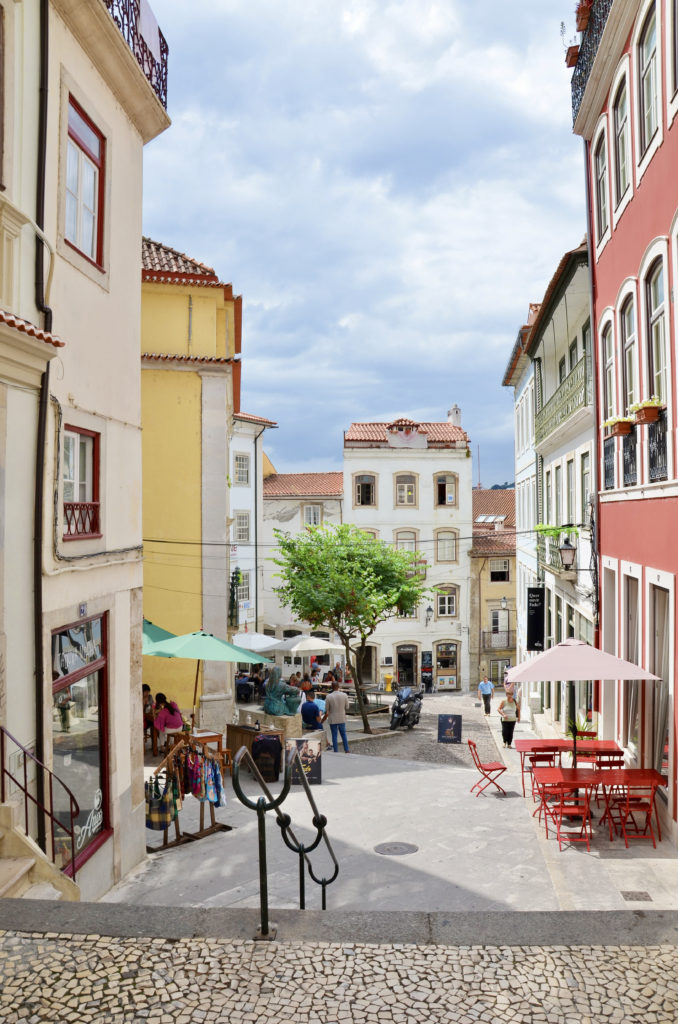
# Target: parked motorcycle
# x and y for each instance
(406, 708)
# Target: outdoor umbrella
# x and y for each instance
(575, 660)
(255, 641)
(203, 647)
(305, 644)
(152, 634)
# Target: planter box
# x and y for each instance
(648, 414)
(620, 429)
(571, 56)
(583, 15)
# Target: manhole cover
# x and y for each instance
(637, 897)
(395, 849)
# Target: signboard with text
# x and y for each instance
(536, 605)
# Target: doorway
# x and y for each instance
(407, 665)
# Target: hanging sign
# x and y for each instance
(536, 605)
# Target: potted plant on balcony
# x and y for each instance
(619, 426)
(648, 410)
(583, 13)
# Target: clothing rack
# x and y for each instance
(204, 830)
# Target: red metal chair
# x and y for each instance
(633, 813)
(489, 770)
(573, 805)
(540, 760)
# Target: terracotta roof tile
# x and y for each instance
(494, 502)
(304, 485)
(30, 329)
(162, 259)
(498, 542)
(437, 433)
(249, 418)
(173, 357)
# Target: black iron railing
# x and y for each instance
(608, 463)
(268, 802)
(656, 445)
(501, 640)
(12, 780)
(629, 452)
(587, 52)
(127, 16)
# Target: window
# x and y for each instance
(447, 601)
(241, 468)
(80, 740)
(608, 381)
(569, 483)
(499, 570)
(621, 143)
(585, 478)
(446, 489)
(562, 370)
(81, 483)
(600, 169)
(313, 515)
(446, 546)
(548, 503)
(573, 355)
(557, 496)
(497, 670)
(85, 152)
(406, 540)
(406, 489)
(656, 331)
(628, 339)
(365, 490)
(244, 585)
(647, 60)
(241, 528)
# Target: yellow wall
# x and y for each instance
(165, 320)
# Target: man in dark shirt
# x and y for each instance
(310, 713)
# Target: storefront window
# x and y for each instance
(660, 666)
(446, 666)
(79, 736)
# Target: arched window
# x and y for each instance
(446, 546)
(621, 143)
(365, 489)
(656, 330)
(406, 540)
(406, 489)
(446, 489)
(608, 380)
(647, 65)
(600, 167)
(628, 337)
(447, 602)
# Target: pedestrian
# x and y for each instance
(311, 717)
(509, 712)
(336, 706)
(485, 691)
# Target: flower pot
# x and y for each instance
(571, 56)
(620, 429)
(583, 15)
(648, 414)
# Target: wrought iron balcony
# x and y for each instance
(548, 552)
(81, 519)
(573, 394)
(587, 52)
(656, 442)
(127, 16)
(608, 463)
(502, 640)
(629, 449)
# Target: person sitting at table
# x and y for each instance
(147, 704)
(509, 713)
(311, 718)
(167, 716)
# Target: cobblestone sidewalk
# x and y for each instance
(59, 978)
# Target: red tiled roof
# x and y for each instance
(249, 418)
(304, 485)
(494, 502)
(30, 329)
(436, 432)
(172, 357)
(162, 259)
(499, 542)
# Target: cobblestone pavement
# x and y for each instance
(62, 978)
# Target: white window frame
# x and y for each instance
(454, 484)
(406, 492)
(399, 537)
(671, 63)
(238, 468)
(629, 353)
(500, 565)
(445, 536)
(644, 157)
(446, 603)
(356, 484)
(240, 535)
(244, 585)
(619, 203)
(600, 187)
(608, 378)
(316, 511)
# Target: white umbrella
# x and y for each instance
(257, 642)
(305, 644)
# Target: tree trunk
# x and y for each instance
(357, 683)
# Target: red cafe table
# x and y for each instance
(561, 746)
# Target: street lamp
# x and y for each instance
(567, 554)
(504, 604)
(429, 615)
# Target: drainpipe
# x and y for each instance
(42, 421)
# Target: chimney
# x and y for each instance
(454, 416)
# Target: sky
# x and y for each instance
(388, 185)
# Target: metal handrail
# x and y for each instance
(28, 797)
(270, 803)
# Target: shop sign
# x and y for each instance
(536, 606)
(94, 822)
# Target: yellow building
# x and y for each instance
(190, 388)
(493, 584)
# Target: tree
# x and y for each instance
(344, 579)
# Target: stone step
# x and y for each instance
(13, 874)
(41, 891)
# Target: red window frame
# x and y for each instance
(93, 516)
(100, 164)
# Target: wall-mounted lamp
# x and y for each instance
(429, 615)
(568, 554)
(504, 604)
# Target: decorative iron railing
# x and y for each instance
(608, 463)
(656, 443)
(81, 519)
(570, 396)
(127, 16)
(629, 451)
(587, 52)
(548, 552)
(15, 778)
(502, 640)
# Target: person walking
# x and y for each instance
(336, 706)
(485, 691)
(509, 712)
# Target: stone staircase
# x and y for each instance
(25, 871)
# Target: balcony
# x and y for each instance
(137, 25)
(81, 519)
(608, 463)
(587, 52)
(656, 443)
(502, 640)
(573, 394)
(629, 452)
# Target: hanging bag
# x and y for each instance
(160, 807)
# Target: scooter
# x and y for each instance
(406, 708)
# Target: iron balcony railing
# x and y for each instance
(629, 451)
(61, 809)
(608, 463)
(587, 52)
(572, 394)
(81, 519)
(127, 16)
(501, 640)
(656, 443)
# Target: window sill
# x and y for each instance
(84, 256)
(82, 536)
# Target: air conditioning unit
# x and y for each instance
(387, 660)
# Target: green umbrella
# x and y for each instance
(152, 634)
(204, 647)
